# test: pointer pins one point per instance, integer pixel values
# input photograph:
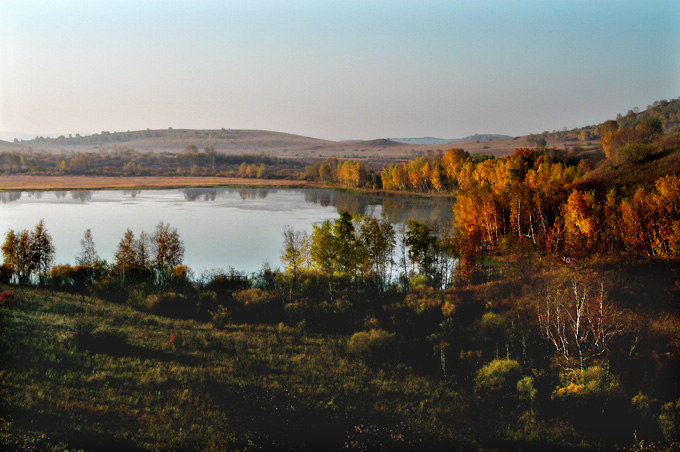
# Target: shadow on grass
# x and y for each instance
(277, 420)
(116, 346)
(60, 428)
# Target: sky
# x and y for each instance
(335, 70)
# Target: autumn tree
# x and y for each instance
(167, 246)
(26, 253)
(126, 254)
(41, 249)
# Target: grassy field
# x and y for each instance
(79, 373)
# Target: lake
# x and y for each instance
(220, 227)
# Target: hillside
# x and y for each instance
(270, 143)
(223, 140)
(7, 146)
(80, 373)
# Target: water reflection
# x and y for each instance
(394, 209)
(82, 195)
(425, 211)
(208, 194)
(211, 194)
(10, 196)
(254, 193)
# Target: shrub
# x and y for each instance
(373, 347)
(499, 378)
(6, 274)
(98, 339)
(256, 305)
(592, 400)
(207, 303)
(496, 390)
(110, 289)
(221, 318)
(636, 152)
(7, 298)
(171, 304)
(669, 420)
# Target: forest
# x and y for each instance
(548, 319)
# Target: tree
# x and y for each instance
(423, 248)
(10, 252)
(42, 249)
(378, 239)
(349, 254)
(142, 248)
(168, 247)
(295, 250)
(126, 254)
(88, 255)
(578, 324)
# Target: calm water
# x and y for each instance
(220, 227)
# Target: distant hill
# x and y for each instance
(433, 140)
(229, 141)
(7, 146)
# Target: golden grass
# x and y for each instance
(23, 182)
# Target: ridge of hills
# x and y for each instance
(239, 141)
(434, 140)
(244, 141)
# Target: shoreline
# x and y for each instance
(15, 183)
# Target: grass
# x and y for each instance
(23, 182)
(79, 373)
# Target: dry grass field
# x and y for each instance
(23, 182)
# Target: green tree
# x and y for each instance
(378, 239)
(422, 243)
(295, 250)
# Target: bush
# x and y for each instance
(110, 289)
(373, 347)
(102, 339)
(6, 274)
(635, 152)
(171, 305)
(256, 305)
(7, 298)
(221, 318)
(498, 387)
(592, 400)
(499, 378)
(669, 420)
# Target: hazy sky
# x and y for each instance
(335, 70)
